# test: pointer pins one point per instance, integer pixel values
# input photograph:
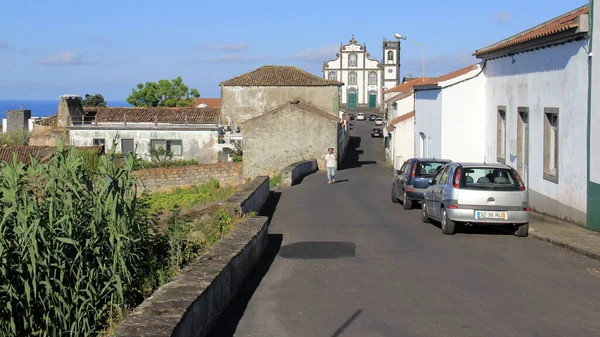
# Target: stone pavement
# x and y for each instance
(566, 235)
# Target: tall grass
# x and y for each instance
(70, 249)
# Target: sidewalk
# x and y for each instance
(566, 235)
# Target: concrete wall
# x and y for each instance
(17, 120)
(403, 140)
(189, 305)
(593, 220)
(274, 141)
(164, 179)
(251, 198)
(428, 107)
(553, 77)
(242, 103)
(463, 118)
(199, 144)
(293, 172)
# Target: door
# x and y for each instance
(437, 190)
(523, 144)
(352, 98)
(372, 100)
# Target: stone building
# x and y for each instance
(363, 76)
(268, 87)
(292, 132)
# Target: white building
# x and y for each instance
(363, 77)
(593, 187)
(536, 111)
(189, 133)
(449, 116)
(399, 112)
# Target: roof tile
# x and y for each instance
(42, 154)
(407, 85)
(399, 119)
(211, 103)
(554, 26)
(155, 115)
(279, 76)
(449, 76)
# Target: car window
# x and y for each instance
(428, 168)
(404, 166)
(437, 177)
(489, 178)
(443, 176)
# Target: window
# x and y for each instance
(100, 142)
(332, 76)
(429, 168)
(352, 60)
(372, 77)
(501, 135)
(390, 55)
(352, 78)
(442, 176)
(551, 144)
(489, 178)
(174, 146)
(127, 146)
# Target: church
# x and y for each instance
(364, 78)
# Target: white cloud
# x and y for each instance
(229, 47)
(228, 58)
(437, 65)
(321, 54)
(502, 17)
(68, 58)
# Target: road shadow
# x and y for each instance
(226, 325)
(340, 181)
(347, 323)
(352, 157)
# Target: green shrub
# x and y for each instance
(91, 162)
(15, 138)
(70, 250)
(186, 197)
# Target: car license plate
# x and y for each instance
(480, 215)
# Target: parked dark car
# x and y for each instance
(372, 117)
(351, 115)
(413, 178)
(377, 132)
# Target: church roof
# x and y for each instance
(279, 76)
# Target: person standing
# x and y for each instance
(330, 164)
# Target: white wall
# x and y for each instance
(403, 139)
(463, 118)
(551, 77)
(595, 100)
(428, 106)
(197, 144)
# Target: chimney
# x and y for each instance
(69, 105)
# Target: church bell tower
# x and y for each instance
(391, 63)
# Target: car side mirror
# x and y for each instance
(398, 172)
(433, 182)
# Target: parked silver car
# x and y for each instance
(477, 194)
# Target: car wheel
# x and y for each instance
(448, 226)
(522, 230)
(394, 198)
(424, 216)
(407, 203)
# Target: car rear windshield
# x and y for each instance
(489, 178)
(428, 168)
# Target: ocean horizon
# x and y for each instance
(42, 108)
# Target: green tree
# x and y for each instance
(164, 93)
(94, 100)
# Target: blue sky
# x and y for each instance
(49, 48)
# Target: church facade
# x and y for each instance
(364, 78)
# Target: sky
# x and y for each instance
(50, 48)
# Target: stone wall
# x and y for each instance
(191, 303)
(167, 178)
(292, 173)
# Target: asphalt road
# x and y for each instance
(345, 261)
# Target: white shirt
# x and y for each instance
(331, 160)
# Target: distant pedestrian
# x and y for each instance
(330, 164)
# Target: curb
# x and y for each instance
(565, 245)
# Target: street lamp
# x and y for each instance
(400, 37)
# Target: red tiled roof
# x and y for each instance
(279, 76)
(449, 76)
(155, 115)
(41, 153)
(300, 104)
(211, 103)
(557, 25)
(399, 119)
(407, 85)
